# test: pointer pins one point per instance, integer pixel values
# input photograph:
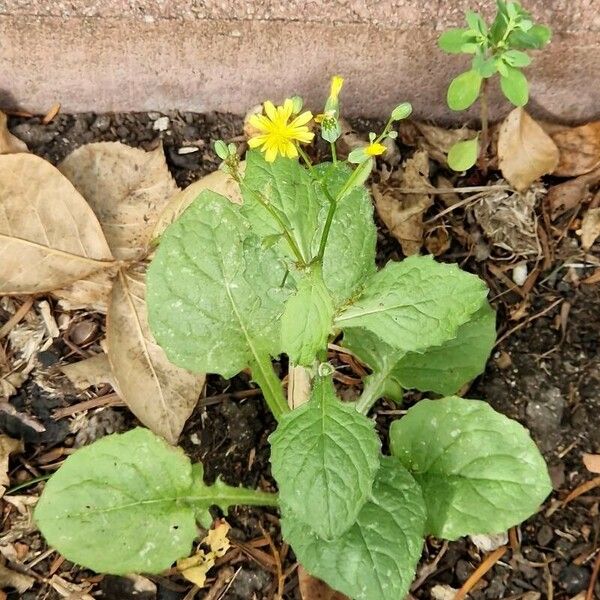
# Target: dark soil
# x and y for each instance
(546, 375)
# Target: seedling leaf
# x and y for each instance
(514, 86)
(463, 155)
(464, 90)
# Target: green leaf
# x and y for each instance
(514, 86)
(480, 471)
(307, 319)
(377, 556)
(324, 456)
(215, 294)
(442, 369)
(290, 191)
(464, 90)
(463, 155)
(533, 39)
(516, 58)
(476, 23)
(485, 66)
(414, 304)
(451, 41)
(349, 258)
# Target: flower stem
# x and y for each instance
(333, 152)
(483, 104)
(372, 391)
(307, 161)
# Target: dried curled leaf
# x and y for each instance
(126, 187)
(8, 446)
(218, 181)
(49, 236)
(94, 370)
(9, 144)
(579, 149)
(525, 150)
(91, 293)
(161, 395)
(590, 228)
(403, 213)
(568, 195)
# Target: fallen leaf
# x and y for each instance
(436, 141)
(403, 213)
(488, 542)
(568, 195)
(91, 293)
(217, 181)
(525, 150)
(70, 590)
(91, 371)
(312, 588)
(161, 395)
(14, 579)
(592, 462)
(9, 144)
(590, 228)
(126, 187)
(195, 568)
(8, 446)
(579, 149)
(49, 236)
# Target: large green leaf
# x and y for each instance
(215, 294)
(307, 319)
(377, 556)
(126, 503)
(414, 304)
(324, 456)
(480, 471)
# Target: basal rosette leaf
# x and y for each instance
(324, 456)
(415, 304)
(215, 292)
(377, 556)
(480, 471)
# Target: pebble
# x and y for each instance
(544, 535)
(161, 124)
(574, 579)
(34, 134)
(248, 582)
(463, 570)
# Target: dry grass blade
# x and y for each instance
(49, 236)
(579, 149)
(9, 144)
(488, 562)
(525, 150)
(160, 394)
(126, 187)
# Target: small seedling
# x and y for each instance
(498, 49)
(233, 287)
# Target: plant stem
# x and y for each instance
(327, 226)
(267, 206)
(333, 152)
(263, 373)
(483, 103)
(372, 391)
(307, 161)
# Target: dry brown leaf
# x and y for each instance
(91, 293)
(88, 372)
(568, 195)
(403, 213)
(592, 462)
(436, 141)
(217, 181)
(49, 236)
(195, 568)
(14, 579)
(579, 149)
(525, 150)
(312, 588)
(9, 144)
(8, 446)
(590, 228)
(161, 395)
(126, 187)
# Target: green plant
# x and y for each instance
(232, 287)
(498, 49)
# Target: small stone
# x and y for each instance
(503, 360)
(122, 131)
(187, 150)
(34, 134)
(248, 582)
(495, 589)
(574, 579)
(463, 570)
(102, 123)
(544, 535)
(83, 332)
(519, 273)
(161, 124)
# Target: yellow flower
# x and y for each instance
(374, 149)
(336, 86)
(276, 134)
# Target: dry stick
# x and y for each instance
(488, 562)
(590, 591)
(108, 400)
(456, 205)
(526, 321)
(582, 489)
(21, 312)
(454, 190)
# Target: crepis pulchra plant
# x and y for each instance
(499, 49)
(233, 287)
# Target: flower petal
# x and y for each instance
(270, 110)
(257, 140)
(271, 154)
(302, 119)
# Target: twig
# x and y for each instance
(582, 489)
(429, 569)
(488, 562)
(456, 205)
(210, 400)
(454, 190)
(108, 400)
(526, 321)
(21, 312)
(590, 591)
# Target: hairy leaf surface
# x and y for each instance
(480, 471)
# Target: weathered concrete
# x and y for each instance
(228, 55)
